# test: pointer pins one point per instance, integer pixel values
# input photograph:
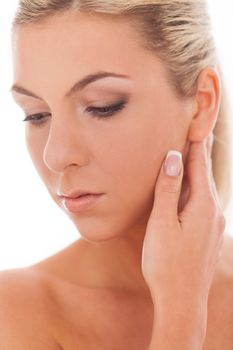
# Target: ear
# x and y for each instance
(206, 104)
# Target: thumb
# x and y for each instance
(168, 187)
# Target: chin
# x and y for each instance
(99, 230)
(98, 235)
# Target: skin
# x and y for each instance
(73, 150)
(78, 155)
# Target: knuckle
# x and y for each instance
(210, 205)
(213, 209)
(201, 161)
(169, 188)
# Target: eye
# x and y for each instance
(106, 111)
(38, 118)
(96, 112)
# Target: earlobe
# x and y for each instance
(207, 100)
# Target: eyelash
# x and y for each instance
(108, 111)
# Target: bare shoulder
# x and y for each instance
(227, 279)
(25, 315)
(220, 311)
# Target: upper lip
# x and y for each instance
(75, 193)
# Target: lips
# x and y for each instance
(76, 194)
(82, 203)
(82, 195)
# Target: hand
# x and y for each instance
(181, 249)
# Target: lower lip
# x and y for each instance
(76, 205)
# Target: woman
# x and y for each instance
(108, 88)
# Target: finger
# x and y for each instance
(210, 142)
(168, 187)
(184, 195)
(198, 170)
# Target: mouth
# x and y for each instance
(81, 196)
(76, 194)
(82, 202)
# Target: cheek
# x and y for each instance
(35, 142)
(34, 146)
(130, 166)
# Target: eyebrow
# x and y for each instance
(88, 79)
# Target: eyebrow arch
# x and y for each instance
(88, 79)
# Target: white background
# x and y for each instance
(32, 227)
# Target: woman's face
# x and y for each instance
(72, 148)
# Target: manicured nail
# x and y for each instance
(173, 163)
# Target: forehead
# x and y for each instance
(85, 40)
(75, 37)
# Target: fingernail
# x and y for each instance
(173, 163)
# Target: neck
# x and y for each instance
(115, 264)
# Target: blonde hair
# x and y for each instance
(179, 32)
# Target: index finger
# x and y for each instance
(213, 185)
(197, 166)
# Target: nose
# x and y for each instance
(65, 145)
